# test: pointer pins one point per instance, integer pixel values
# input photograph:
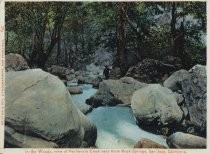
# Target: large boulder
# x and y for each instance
(194, 90)
(174, 82)
(185, 141)
(147, 143)
(150, 71)
(38, 105)
(113, 92)
(156, 106)
(192, 86)
(60, 71)
(15, 62)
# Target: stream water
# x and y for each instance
(116, 126)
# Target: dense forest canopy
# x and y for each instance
(70, 33)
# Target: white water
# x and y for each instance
(116, 127)
(79, 99)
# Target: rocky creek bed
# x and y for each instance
(43, 110)
(116, 126)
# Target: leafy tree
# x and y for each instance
(70, 33)
(33, 19)
(121, 52)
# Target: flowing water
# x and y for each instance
(80, 99)
(116, 126)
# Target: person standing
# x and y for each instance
(106, 72)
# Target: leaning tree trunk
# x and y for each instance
(59, 20)
(39, 55)
(121, 52)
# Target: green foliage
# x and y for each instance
(157, 44)
(89, 26)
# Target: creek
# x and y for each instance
(116, 126)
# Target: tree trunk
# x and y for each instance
(59, 50)
(37, 44)
(7, 38)
(71, 58)
(138, 33)
(180, 41)
(39, 57)
(173, 28)
(60, 16)
(20, 47)
(121, 52)
(83, 39)
(33, 42)
(66, 53)
(89, 48)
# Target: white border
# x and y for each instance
(91, 151)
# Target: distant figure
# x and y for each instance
(106, 72)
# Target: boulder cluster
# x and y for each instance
(175, 107)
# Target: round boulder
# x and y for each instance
(115, 92)
(184, 141)
(75, 90)
(15, 62)
(146, 143)
(174, 82)
(150, 70)
(38, 104)
(59, 71)
(155, 105)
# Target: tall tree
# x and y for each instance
(173, 27)
(40, 56)
(121, 51)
